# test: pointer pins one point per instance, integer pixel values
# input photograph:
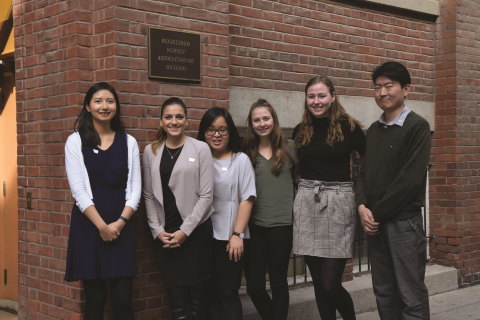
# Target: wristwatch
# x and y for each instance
(124, 219)
(241, 235)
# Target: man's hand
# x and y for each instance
(168, 241)
(368, 222)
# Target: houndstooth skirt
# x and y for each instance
(324, 215)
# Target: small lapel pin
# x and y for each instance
(399, 121)
(191, 159)
(96, 151)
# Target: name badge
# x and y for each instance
(96, 151)
(224, 169)
(191, 159)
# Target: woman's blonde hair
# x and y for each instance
(280, 153)
(161, 134)
(337, 114)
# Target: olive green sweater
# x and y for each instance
(393, 173)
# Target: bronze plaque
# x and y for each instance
(174, 55)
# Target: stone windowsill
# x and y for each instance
(431, 7)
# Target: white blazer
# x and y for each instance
(78, 176)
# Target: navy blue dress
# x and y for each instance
(88, 256)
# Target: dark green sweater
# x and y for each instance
(393, 173)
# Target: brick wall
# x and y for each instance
(283, 44)
(454, 183)
(62, 47)
(51, 45)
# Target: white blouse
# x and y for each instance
(234, 182)
(78, 176)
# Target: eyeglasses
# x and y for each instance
(222, 132)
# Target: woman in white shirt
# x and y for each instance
(233, 197)
(103, 170)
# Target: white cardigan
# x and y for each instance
(78, 176)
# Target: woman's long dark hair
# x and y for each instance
(210, 116)
(161, 134)
(85, 122)
(280, 153)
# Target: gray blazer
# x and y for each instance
(191, 183)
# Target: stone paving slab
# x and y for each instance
(461, 304)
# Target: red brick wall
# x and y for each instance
(51, 45)
(283, 44)
(61, 49)
(454, 182)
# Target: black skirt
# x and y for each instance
(191, 263)
(226, 273)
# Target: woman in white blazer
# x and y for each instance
(103, 170)
(178, 191)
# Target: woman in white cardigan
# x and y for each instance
(103, 170)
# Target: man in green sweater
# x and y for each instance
(390, 194)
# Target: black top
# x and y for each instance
(392, 178)
(320, 161)
(173, 219)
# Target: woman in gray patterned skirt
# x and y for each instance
(324, 208)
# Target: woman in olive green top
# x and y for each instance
(271, 234)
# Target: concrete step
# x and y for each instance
(9, 305)
(302, 300)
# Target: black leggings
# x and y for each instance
(224, 304)
(272, 245)
(329, 292)
(96, 296)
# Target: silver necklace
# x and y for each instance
(176, 152)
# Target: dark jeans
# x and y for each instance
(272, 245)
(398, 256)
(188, 302)
(96, 296)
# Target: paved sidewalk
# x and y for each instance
(453, 305)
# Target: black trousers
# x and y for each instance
(188, 302)
(272, 245)
(223, 301)
(398, 256)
